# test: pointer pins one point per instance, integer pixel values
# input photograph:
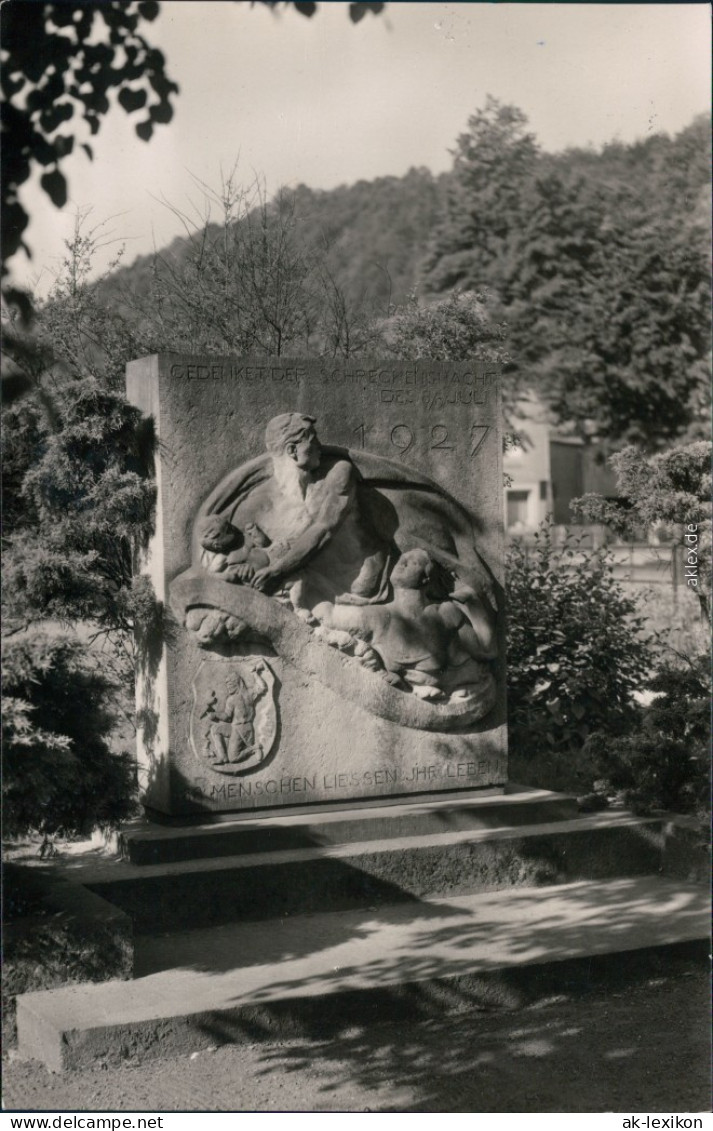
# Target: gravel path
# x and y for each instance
(644, 1049)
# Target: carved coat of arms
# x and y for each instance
(233, 723)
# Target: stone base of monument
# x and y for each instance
(310, 921)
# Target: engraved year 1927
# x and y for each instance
(435, 438)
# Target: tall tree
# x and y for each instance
(607, 308)
(597, 263)
(493, 162)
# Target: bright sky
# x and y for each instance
(323, 102)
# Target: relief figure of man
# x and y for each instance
(231, 733)
(309, 512)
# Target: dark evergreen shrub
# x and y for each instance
(59, 772)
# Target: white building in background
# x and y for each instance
(547, 469)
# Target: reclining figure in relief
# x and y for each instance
(435, 649)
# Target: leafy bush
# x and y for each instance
(59, 771)
(663, 763)
(670, 491)
(577, 649)
(458, 327)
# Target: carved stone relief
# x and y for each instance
(361, 572)
(233, 725)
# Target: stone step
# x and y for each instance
(334, 970)
(144, 842)
(398, 869)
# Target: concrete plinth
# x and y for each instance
(147, 842)
(256, 981)
(249, 928)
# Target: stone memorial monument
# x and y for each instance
(326, 556)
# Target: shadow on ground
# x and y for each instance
(635, 1050)
(640, 1048)
(438, 936)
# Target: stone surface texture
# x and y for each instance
(256, 692)
(389, 870)
(438, 955)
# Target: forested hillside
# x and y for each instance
(372, 236)
(596, 262)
